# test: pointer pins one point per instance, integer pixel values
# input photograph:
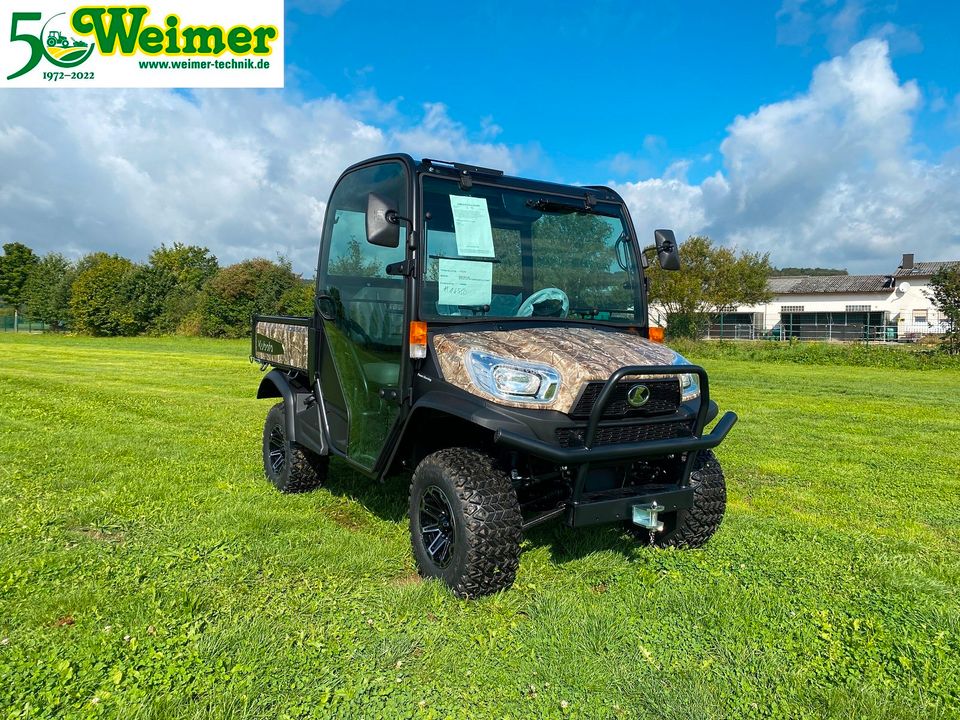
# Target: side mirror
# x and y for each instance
(383, 225)
(668, 252)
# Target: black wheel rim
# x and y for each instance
(277, 451)
(438, 528)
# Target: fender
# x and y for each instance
(458, 404)
(465, 407)
(276, 385)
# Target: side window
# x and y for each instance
(369, 302)
(347, 252)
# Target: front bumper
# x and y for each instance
(626, 451)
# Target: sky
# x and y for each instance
(823, 132)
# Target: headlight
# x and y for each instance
(689, 383)
(510, 379)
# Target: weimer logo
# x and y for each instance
(124, 29)
(169, 44)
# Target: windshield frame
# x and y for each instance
(567, 193)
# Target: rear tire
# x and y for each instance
(693, 527)
(291, 468)
(465, 522)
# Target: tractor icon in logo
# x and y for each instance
(62, 49)
(58, 38)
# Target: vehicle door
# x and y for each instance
(361, 314)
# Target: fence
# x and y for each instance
(852, 332)
(14, 322)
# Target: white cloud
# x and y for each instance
(828, 177)
(439, 137)
(244, 173)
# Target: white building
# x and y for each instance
(842, 307)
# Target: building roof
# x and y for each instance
(927, 268)
(829, 284)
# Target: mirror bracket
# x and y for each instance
(394, 218)
(404, 267)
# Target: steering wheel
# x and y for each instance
(549, 302)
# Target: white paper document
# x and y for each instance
(465, 282)
(471, 221)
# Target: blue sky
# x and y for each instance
(587, 82)
(822, 132)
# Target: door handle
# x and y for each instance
(326, 307)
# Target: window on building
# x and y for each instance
(791, 308)
(858, 308)
(920, 316)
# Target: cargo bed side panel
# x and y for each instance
(283, 342)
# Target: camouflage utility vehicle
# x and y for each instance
(490, 334)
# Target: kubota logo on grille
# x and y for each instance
(638, 395)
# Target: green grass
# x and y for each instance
(147, 570)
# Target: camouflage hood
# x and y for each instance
(580, 355)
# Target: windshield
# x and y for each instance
(500, 253)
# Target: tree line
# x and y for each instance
(181, 289)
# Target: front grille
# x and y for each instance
(664, 398)
(617, 434)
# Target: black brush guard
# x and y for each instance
(616, 505)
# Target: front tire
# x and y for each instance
(465, 522)
(291, 468)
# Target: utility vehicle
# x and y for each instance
(490, 334)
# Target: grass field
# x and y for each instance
(147, 570)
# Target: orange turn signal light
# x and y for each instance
(655, 334)
(418, 339)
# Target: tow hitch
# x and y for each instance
(647, 516)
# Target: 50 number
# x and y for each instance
(36, 47)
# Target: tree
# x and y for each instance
(178, 273)
(46, 294)
(16, 264)
(103, 296)
(353, 263)
(150, 289)
(298, 300)
(190, 265)
(710, 278)
(235, 293)
(945, 293)
(812, 272)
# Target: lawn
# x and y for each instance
(147, 570)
